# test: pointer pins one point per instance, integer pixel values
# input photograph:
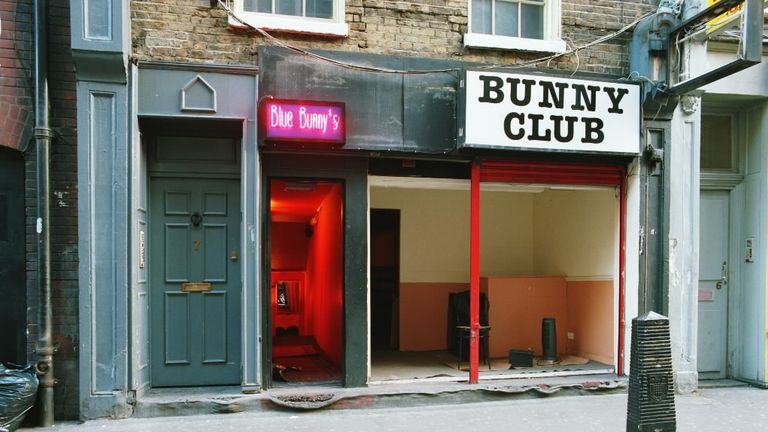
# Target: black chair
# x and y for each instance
(458, 326)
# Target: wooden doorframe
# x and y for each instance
(155, 169)
(731, 181)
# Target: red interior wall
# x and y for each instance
(289, 246)
(325, 276)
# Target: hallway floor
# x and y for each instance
(412, 366)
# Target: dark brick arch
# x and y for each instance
(16, 108)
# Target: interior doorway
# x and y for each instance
(385, 278)
(306, 237)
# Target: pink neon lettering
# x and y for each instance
(280, 118)
(298, 121)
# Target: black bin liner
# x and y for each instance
(18, 389)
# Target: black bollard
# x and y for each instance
(651, 404)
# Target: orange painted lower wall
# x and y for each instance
(590, 313)
(424, 314)
(518, 305)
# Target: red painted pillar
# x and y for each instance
(474, 273)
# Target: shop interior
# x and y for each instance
(549, 289)
(306, 251)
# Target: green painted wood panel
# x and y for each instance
(195, 336)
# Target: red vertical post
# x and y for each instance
(622, 269)
(474, 273)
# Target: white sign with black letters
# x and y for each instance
(505, 110)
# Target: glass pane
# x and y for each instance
(288, 7)
(257, 6)
(320, 8)
(506, 18)
(533, 21)
(481, 16)
(716, 143)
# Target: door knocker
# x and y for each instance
(196, 219)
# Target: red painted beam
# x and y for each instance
(474, 273)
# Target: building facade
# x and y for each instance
(731, 331)
(273, 192)
(20, 286)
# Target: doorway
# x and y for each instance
(306, 308)
(13, 307)
(385, 278)
(714, 279)
(195, 282)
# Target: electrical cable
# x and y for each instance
(364, 68)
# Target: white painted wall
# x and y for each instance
(752, 81)
(750, 359)
(632, 261)
(555, 232)
(575, 232)
(682, 160)
(748, 325)
(434, 232)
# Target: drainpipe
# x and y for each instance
(43, 137)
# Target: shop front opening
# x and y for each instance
(306, 280)
(549, 279)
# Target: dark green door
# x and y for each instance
(195, 282)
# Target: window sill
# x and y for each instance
(292, 24)
(478, 40)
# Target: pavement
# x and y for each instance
(741, 408)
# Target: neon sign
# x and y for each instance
(303, 121)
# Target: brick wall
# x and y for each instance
(16, 110)
(190, 31)
(64, 261)
(16, 123)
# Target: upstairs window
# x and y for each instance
(305, 8)
(530, 25)
(324, 17)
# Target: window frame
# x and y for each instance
(551, 42)
(335, 26)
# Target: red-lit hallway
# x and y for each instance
(306, 234)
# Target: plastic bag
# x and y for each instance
(18, 389)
